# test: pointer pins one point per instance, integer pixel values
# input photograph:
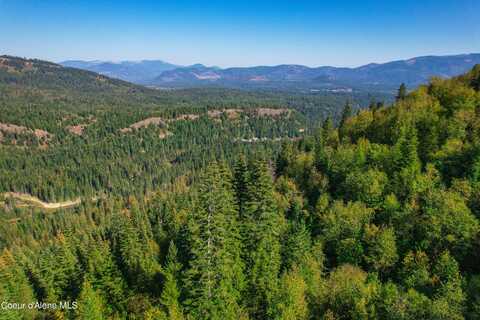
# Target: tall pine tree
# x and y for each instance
(215, 275)
(263, 224)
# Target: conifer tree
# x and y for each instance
(327, 125)
(58, 272)
(405, 149)
(171, 291)
(214, 278)
(297, 244)
(321, 140)
(133, 251)
(284, 158)
(402, 92)
(406, 163)
(14, 288)
(241, 180)
(104, 275)
(263, 224)
(346, 113)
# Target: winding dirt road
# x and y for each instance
(39, 203)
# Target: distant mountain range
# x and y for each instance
(385, 76)
(133, 71)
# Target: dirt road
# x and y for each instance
(39, 203)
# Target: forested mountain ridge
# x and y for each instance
(377, 218)
(48, 75)
(374, 76)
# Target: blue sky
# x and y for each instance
(239, 33)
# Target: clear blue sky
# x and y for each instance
(239, 33)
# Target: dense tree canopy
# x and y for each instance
(377, 218)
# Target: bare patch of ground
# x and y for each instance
(233, 113)
(262, 112)
(230, 113)
(78, 129)
(207, 76)
(187, 117)
(264, 139)
(144, 124)
(165, 134)
(41, 134)
(259, 112)
(14, 129)
(16, 66)
(160, 122)
(214, 113)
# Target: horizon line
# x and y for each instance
(119, 61)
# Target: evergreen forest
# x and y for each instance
(224, 204)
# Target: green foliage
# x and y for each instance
(291, 300)
(297, 244)
(415, 271)
(215, 275)
(446, 222)
(134, 252)
(349, 294)
(14, 288)
(170, 297)
(380, 224)
(90, 306)
(263, 224)
(381, 252)
(368, 187)
(395, 304)
(346, 113)
(473, 291)
(342, 229)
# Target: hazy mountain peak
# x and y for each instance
(138, 71)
